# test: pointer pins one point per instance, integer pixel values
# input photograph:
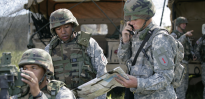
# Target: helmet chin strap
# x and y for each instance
(138, 30)
(40, 82)
(183, 30)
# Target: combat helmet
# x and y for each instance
(61, 17)
(39, 57)
(138, 9)
(203, 29)
(181, 20)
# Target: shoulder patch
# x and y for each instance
(162, 59)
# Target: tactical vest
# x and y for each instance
(202, 51)
(72, 64)
(187, 51)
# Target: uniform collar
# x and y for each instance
(145, 29)
(143, 33)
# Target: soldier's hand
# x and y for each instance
(131, 83)
(125, 33)
(189, 33)
(32, 81)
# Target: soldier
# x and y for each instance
(183, 37)
(38, 66)
(151, 76)
(76, 56)
(200, 53)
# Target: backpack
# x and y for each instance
(179, 70)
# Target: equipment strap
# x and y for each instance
(149, 33)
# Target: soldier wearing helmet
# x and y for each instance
(200, 53)
(181, 35)
(77, 57)
(152, 73)
(38, 66)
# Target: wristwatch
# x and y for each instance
(39, 95)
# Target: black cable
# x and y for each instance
(39, 30)
(76, 4)
(162, 13)
(122, 10)
(106, 16)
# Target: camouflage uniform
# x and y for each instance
(188, 50)
(42, 58)
(200, 53)
(94, 58)
(154, 82)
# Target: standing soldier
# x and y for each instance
(200, 53)
(38, 66)
(151, 76)
(183, 37)
(76, 56)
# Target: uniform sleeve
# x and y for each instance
(43, 96)
(65, 93)
(98, 59)
(197, 48)
(163, 57)
(124, 51)
(191, 47)
(182, 39)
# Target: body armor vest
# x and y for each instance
(202, 52)
(71, 63)
(187, 51)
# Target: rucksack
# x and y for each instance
(179, 70)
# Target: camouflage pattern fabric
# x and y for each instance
(154, 82)
(200, 49)
(71, 63)
(138, 9)
(200, 46)
(95, 53)
(181, 90)
(185, 41)
(39, 57)
(188, 50)
(64, 93)
(42, 58)
(61, 17)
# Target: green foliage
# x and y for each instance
(116, 93)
